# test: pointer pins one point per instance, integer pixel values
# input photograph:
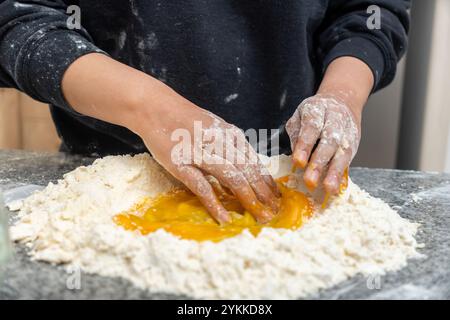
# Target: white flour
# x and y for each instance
(71, 222)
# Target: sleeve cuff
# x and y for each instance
(50, 57)
(365, 50)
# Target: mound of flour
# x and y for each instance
(71, 223)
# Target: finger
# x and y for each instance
(261, 172)
(319, 160)
(338, 165)
(229, 176)
(262, 190)
(237, 150)
(241, 154)
(197, 183)
(222, 192)
(269, 179)
(262, 182)
(312, 121)
(325, 151)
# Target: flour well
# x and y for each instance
(71, 223)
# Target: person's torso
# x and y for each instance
(250, 62)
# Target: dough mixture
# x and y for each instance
(111, 218)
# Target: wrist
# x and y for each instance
(349, 80)
(347, 99)
(151, 102)
(142, 107)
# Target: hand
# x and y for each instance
(100, 87)
(216, 149)
(326, 120)
(332, 121)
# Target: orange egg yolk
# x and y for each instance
(180, 213)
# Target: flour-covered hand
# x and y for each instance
(326, 122)
(216, 149)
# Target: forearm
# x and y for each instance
(350, 80)
(103, 88)
(36, 47)
(100, 87)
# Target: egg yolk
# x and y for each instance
(181, 213)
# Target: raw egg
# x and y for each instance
(181, 213)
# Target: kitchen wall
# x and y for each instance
(424, 133)
(407, 125)
(380, 126)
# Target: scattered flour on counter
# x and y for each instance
(71, 223)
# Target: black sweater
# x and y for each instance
(250, 62)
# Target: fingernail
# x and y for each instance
(331, 185)
(311, 179)
(315, 176)
(265, 217)
(301, 158)
(224, 217)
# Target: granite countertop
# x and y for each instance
(418, 196)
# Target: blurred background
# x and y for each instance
(405, 126)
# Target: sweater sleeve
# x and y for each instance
(346, 32)
(37, 46)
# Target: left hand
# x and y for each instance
(325, 120)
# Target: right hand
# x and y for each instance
(235, 166)
(98, 86)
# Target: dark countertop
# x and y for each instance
(427, 278)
